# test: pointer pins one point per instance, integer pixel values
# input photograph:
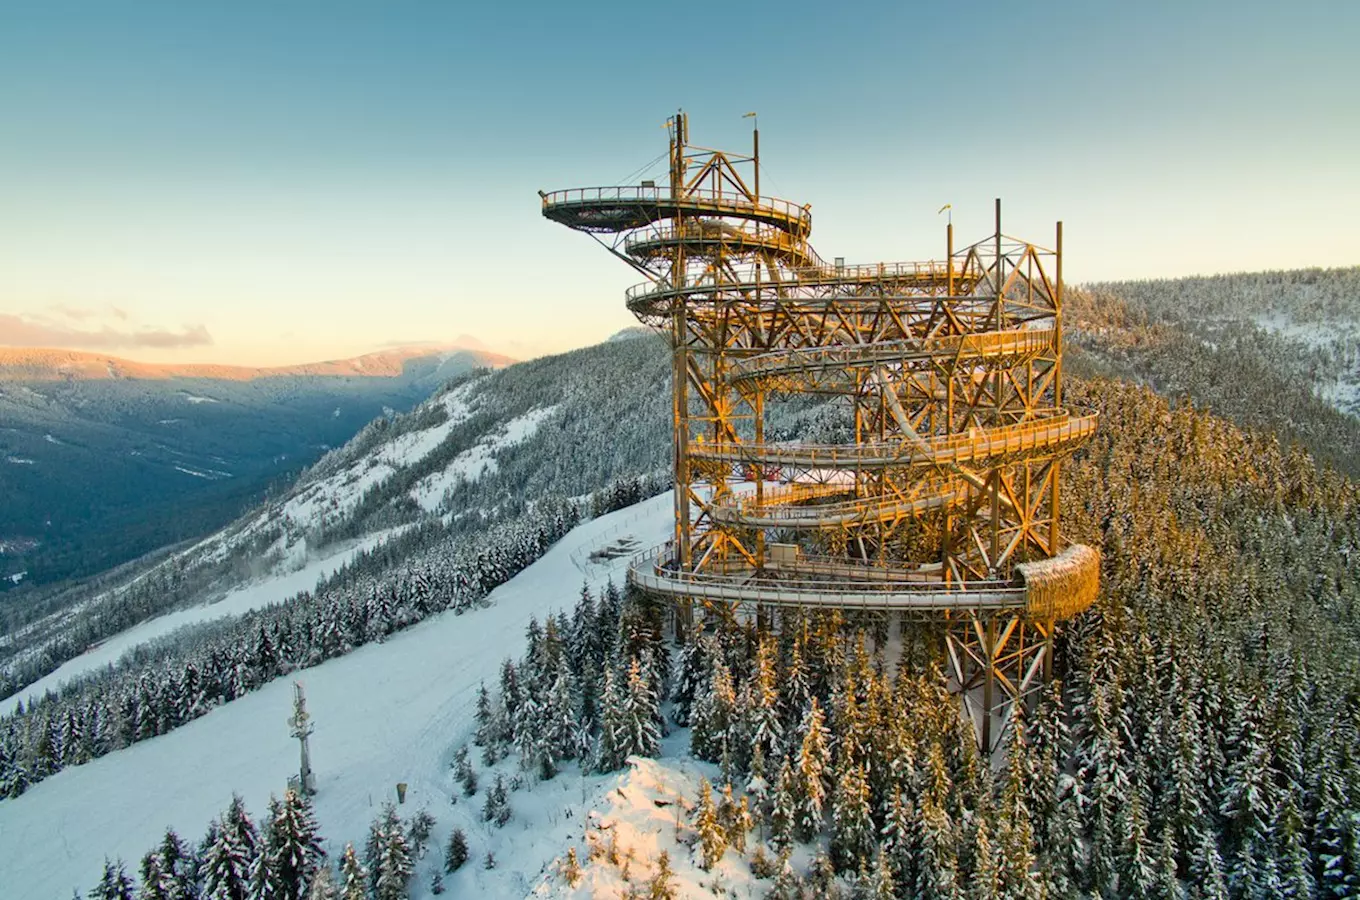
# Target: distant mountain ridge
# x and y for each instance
(50, 364)
(103, 459)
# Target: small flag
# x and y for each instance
(943, 208)
(748, 115)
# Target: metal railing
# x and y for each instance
(778, 507)
(1003, 344)
(1056, 428)
(697, 199)
(654, 571)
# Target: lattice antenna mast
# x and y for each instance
(301, 724)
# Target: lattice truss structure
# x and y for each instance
(945, 503)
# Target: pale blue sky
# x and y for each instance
(274, 182)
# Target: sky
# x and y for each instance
(275, 182)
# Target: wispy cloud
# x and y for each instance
(21, 331)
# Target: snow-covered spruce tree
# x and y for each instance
(611, 748)
(486, 734)
(114, 884)
(985, 881)
(497, 806)
(783, 814)
(323, 885)
(641, 712)
(464, 773)
(150, 872)
(712, 838)
(1248, 807)
(418, 833)
(761, 725)
(232, 855)
(456, 853)
(1106, 788)
(810, 773)
(852, 828)
(661, 886)
(1015, 834)
(388, 856)
(559, 717)
(714, 715)
(1135, 864)
(897, 840)
(353, 876)
(691, 675)
(177, 866)
(293, 847)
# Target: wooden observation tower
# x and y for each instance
(945, 505)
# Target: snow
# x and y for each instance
(336, 494)
(646, 811)
(478, 460)
(195, 473)
(385, 713)
(273, 589)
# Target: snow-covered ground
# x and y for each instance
(274, 588)
(386, 713)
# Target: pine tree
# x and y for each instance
(662, 886)
(418, 832)
(390, 864)
(714, 714)
(810, 772)
(986, 881)
(571, 868)
(1167, 883)
(114, 885)
(712, 839)
(497, 806)
(232, 857)
(611, 751)
(176, 866)
(641, 715)
(1135, 864)
(323, 885)
(353, 875)
(852, 827)
(1294, 863)
(1207, 871)
(783, 810)
(294, 851)
(456, 853)
(150, 871)
(463, 772)
(897, 844)
(762, 726)
(1248, 806)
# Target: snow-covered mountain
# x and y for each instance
(105, 459)
(478, 452)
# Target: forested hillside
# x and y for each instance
(96, 470)
(1277, 350)
(1199, 744)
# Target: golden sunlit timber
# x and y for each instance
(944, 505)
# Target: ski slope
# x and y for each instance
(274, 588)
(386, 713)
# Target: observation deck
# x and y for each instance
(624, 208)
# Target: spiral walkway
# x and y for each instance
(953, 372)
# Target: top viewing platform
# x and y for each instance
(615, 209)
